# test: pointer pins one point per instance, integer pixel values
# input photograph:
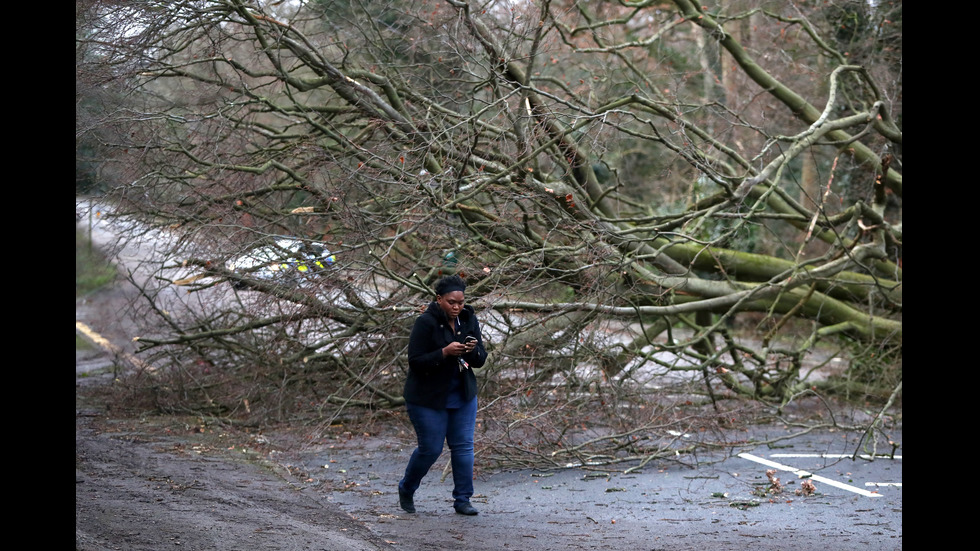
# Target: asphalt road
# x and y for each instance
(856, 505)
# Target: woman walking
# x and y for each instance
(440, 392)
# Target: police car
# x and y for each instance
(286, 259)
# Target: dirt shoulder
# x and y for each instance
(142, 491)
(153, 482)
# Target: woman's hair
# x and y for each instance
(449, 284)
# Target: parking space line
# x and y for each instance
(802, 473)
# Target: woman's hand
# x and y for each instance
(459, 348)
(455, 349)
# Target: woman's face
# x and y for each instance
(451, 303)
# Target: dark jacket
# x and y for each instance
(429, 374)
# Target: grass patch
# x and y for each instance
(92, 269)
(82, 343)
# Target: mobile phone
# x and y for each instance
(470, 338)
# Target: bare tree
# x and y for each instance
(655, 204)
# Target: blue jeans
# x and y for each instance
(455, 426)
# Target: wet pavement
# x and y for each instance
(856, 503)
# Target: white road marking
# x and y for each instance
(811, 476)
(834, 455)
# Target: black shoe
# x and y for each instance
(406, 501)
(465, 509)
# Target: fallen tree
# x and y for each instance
(654, 204)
